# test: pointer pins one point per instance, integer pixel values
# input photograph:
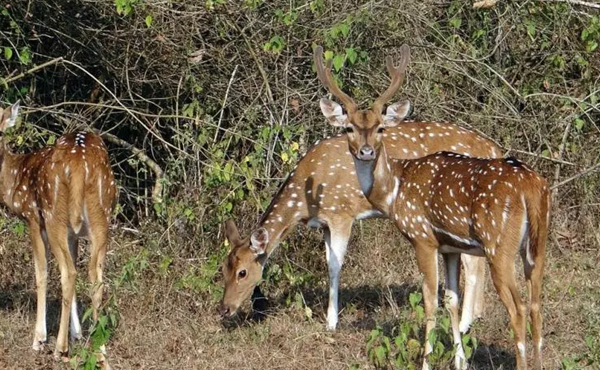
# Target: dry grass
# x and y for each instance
(165, 327)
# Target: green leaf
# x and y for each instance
(91, 362)
(51, 140)
(8, 53)
(590, 46)
(579, 123)
(148, 20)
(227, 171)
(415, 299)
(380, 353)
(308, 312)
(338, 62)
(352, 55)
(345, 29)
(531, 29)
(328, 55)
(25, 56)
(455, 22)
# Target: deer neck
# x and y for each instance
(377, 181)
(287, 208)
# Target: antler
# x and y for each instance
(397, 75)
(324, 73)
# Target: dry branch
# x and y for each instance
(32, 70)
(575, 177)
(576, 2)
(224, 103)
(141, 155)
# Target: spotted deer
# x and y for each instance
(323, 190)
(64, 192)
(450, 204)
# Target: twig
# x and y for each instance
(133, 111)
(575, 177)
(224, 102)
(561, 151)
(575, 2)
(158, 172)
(539, 156)
(258, 64)
(32, 70)
(121, 104)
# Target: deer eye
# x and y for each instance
(349, 129)
(242, 274)
(380, 130)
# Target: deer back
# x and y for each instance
(59, 180)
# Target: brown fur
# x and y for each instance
(451, 204)
(327, 172)
(63, 192)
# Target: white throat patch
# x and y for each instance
(364, 171)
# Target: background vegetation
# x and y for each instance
(223, 97)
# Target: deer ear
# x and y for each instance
(259, 240)
(397, 113)
(9, 116)
(334, 113)
(232, 234)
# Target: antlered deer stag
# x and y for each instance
(323, 190)
(64, 192)
(451, 204)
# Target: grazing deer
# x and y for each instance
(451, 204)
(323, 190)
(64, 192)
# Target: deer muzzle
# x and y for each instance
(225, 310)
(366, 153)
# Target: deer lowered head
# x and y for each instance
(243, 267)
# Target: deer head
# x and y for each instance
(8, 118)
(243, 267)
(364, 127)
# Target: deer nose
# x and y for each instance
(224, 311)
(366, 153)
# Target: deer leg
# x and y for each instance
(427, 257)
(98, 230)
(57, 237)
(474, 289)
(41, 279)
(533, 275)
(452, 264)
(336, 240)
(99, 246)
(75, 324)
(503, 275)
